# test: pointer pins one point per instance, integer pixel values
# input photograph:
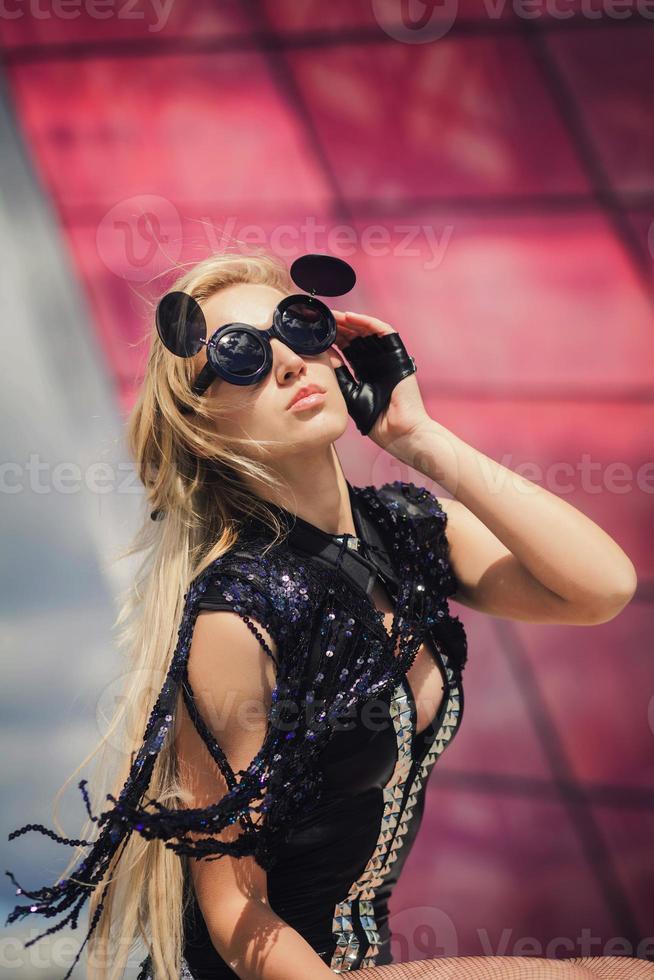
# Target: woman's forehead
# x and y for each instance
(251, 303)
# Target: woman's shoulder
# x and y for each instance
(405, 498)
(413, 515)
(417, 523)
(265, 583)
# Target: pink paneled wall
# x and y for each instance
(494, 189)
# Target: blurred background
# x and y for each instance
(487, 167)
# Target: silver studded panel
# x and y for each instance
(395, 822)
(347, 953)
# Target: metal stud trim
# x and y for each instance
(394, 825)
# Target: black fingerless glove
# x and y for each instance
(380, 362)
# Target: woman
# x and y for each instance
(296, 670)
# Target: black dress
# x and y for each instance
(341, 782)
(334, 876)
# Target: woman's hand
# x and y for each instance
(405, 411)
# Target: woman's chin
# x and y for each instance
(309, 429)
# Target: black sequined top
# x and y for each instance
(338, 784)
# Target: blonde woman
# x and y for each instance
(296, 671)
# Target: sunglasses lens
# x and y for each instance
(181, 324)
(306, 327)
(239, 353)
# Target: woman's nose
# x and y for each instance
(285, 358)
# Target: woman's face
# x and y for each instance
(260, 412)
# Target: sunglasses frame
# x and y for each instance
(212, 369)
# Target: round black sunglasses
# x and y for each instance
(240, 353)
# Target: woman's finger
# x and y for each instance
(362, 323)
(343, 339)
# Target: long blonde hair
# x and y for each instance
(197, 477)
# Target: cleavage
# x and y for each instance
(424, 677)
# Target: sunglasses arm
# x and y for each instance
(204, 379)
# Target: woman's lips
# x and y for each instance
(309, 401)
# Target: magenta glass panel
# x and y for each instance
(137, 20)
(415, 20)
(613, 86)
(628, 833)
(455, 117)
(597, 686)
(498, 737)
(495, 874)
(495, 302)
(643, 223)
(591, 13)
(106, 130)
